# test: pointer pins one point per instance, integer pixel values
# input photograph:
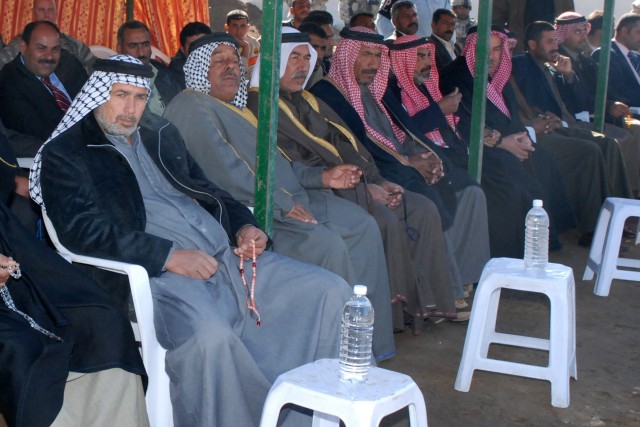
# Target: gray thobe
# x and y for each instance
(220, 362)
(346, 239)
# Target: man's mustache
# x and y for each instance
(369, 71)
(300, 75)
(47, 61)
(229, 73)
(127, 117)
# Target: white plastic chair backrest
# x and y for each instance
(25, 162)
(101, 51)
(158, 400)
(159, 55)
(53, 235)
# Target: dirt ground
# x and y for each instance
(607, 392)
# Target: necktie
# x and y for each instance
(635, 61)
(61, 99)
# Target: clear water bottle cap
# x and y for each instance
(360, 290)
(537, 203)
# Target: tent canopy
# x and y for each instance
(95, 22)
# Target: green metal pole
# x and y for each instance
(268, 112)
(129, 9)
(603, 67)
(480, 90)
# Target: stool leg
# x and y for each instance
(573, 369)
(418, 412)
(481, 327)
(560, 342)
(609, 262)
(276, 399)
(597, 245)
(490, 322)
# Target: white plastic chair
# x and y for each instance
(159, 55)
(25, 162)
(604, 260)
(316, 386)
(101, 51)
(557, 283)
(157, 397)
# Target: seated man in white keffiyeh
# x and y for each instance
(310, 223)
(121, 187)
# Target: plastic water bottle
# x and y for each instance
(536, 238)
(355, 337)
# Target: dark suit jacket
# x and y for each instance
(535, 87)
(27, 106)
(586, 71)
(166, 82)
(427, 120)
(457, 75)
(623, 86)
(442, 56)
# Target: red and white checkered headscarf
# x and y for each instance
(499, 77)
(567, 23)
(342, 73)
(403, 63)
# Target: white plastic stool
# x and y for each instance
(603, 256)
(556, 282)
(316, 386)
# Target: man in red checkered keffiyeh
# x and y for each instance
(499, 71)
(357, 90)
(407, 54)
(343, 74)
(569, 23)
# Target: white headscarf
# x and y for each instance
(285, 52)
(95, 92)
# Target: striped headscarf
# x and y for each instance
(567, 23)
(499, 77)
(196, 68)
(342, 73)
(96, 91)
(404, 56)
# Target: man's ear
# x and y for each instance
(532, 45)
(23, 47)
(226, 27)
